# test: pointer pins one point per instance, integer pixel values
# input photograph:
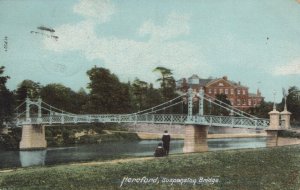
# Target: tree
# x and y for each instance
(27, 88)
(61, 97)
(139, 91)
(293, 103)
(107, 93)
(153, 97)
(167, 82)
(223, 100)
(261, 111)
(6, 100)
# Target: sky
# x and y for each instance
(256, 42)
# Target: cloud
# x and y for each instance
(101, 10)
(292, 68)
(72, 37)
(130, 58)
(175, 26)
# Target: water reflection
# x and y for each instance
(32, 158)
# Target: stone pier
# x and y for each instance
(274, 127)
(195, 138)
(33, 137)
(285, 117)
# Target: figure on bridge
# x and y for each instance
(166, 138)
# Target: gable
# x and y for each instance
(219, 83)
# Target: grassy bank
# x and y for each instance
(273, 168)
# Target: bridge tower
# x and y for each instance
(33, 135)
(195, 139)
(285, 117)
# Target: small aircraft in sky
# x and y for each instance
(43, 30)
(46, 29)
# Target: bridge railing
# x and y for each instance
(223, 121)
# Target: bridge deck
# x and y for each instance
(222, 121)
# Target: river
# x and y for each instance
(111, 150)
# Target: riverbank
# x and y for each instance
(264, 168)
(157, 136)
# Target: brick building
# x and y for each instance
(238, 94)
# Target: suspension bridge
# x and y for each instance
(47, 115)
(54, 116)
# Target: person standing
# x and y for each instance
(166, 138)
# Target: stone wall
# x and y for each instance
(180, 129)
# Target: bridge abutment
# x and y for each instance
(195, 139)
(274, 127)
(33, 137)
(272, 138)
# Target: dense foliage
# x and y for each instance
(292, 103)
(107, 94)
(6, 100)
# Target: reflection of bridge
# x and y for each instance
(33, 134)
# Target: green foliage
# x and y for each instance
(27, 88)
(289, 134)
(144, 95)
(65, 135)
(107, 93)
(11, 140)
(167, 82)
(6, 100)
(224, 101)
(262, 110)
(64, 98)
(293, 103)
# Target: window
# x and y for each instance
(249, 102)
(226, 91)
(238, 102)
(244, 92)
(221, 84)
(238, 91)
(215, 91)
(221, 90)
(232, 91)
(209, 91)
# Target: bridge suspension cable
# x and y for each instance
(229, 108)
(154, 111)
(152, 108)
(54, 108)
(20, 105)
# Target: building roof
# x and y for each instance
(203, 82)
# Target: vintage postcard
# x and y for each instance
(137, 94)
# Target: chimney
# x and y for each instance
(225, 77)
(258, 93)
(239, 83)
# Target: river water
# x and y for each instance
(106, 151)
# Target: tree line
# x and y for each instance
(106, 94)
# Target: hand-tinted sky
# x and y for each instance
(253, 41)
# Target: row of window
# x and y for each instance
(243, 102)
(225, 91)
